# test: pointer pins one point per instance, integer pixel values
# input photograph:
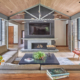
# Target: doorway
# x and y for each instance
(11, 34)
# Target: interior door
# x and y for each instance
(10, 34)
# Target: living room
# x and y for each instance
(41, 35)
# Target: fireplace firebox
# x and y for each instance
(39, 45)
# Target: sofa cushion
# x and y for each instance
(3, 49)
(20, 67)
(8, 55)
(67, 67)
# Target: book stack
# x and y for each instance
(28, 59)
(57, 73)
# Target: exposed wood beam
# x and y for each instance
(23, 10)
(47, 14)
(3, 16)
(31, 14)
(75, 16)
(55, 10)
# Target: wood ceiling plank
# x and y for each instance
(73, 6)
(6, 6)
(16, 5)
(42, 1)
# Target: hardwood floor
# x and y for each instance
(63, 52)
(36, 76)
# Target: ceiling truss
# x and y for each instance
(40, 18)
(31, 14)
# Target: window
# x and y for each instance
(78, 29)
(2, 32)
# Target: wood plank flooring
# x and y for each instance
(36, 76)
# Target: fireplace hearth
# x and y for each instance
(39, 45)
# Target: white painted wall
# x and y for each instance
(60, 32)
(22, 26)
(15, 32)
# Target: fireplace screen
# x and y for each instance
(39, 45)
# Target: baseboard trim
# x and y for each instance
(61, 46)
(14, 43)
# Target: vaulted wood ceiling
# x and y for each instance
(9, 7)
(68, 7)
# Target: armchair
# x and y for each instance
(77, 52)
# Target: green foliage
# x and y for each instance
(1, 58)
(39, 55)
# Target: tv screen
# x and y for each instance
(39, 29)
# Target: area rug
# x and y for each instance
(62, 61)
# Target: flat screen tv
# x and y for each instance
(39, 29)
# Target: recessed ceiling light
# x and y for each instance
(11, 12)
(67, 11)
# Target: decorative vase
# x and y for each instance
(49, 54)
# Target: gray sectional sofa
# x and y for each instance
(8, 54)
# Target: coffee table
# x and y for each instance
(49, 60)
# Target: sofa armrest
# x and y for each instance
(67, 67)
(12, 49)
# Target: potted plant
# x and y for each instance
(1, 60)
(39, 55)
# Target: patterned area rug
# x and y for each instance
(62, 61)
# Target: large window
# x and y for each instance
(78, 29)
(2, 32)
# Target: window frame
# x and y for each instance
(1, 29)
